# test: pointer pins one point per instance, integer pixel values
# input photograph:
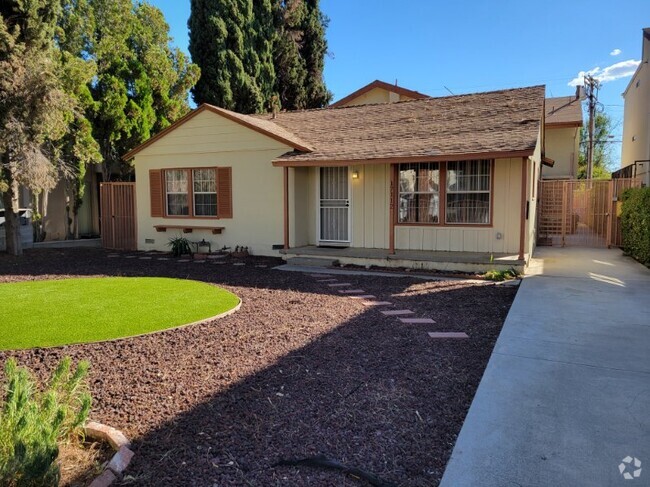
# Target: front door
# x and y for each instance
(334, 211)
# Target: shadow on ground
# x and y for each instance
(300, 370)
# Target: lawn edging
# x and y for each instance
(120, 460)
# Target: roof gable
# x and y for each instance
(258, 125)
(377, 84)
(564, 111)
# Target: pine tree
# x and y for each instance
(300, 54)
(254, 54)
(222, 44)
(314, 49)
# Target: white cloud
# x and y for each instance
(610, 73)
(615, 52)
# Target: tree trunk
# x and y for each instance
(12, 219)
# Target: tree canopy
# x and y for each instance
(602, 159)
(81, 81)
(258, 55)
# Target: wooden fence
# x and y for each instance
(580, 212)
(118, 216)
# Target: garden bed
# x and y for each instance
(299, 370)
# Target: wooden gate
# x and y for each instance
(118, 221)
(584, 213)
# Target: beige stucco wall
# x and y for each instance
(377, 95)
(563, 146)
(55, 220)
(211, 140)
(636, 123)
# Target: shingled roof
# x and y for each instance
(563, 111)
(492, 124)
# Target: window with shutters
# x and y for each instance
(204, 192)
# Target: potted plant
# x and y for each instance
(180, 246)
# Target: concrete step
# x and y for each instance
(312, 261)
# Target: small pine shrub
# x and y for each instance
(33, 422)
(635, 223)
(495, 275)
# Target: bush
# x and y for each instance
(33, 422)
(495, 275)
(635, 223)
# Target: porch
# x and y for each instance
(476, 262)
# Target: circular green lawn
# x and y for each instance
(61, 312)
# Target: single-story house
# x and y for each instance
(418, 183)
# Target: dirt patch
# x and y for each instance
(299, 370)
(80, 464)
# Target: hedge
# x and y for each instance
(635, 223)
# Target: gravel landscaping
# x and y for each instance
(300, 370)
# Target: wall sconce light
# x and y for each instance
(355, 174)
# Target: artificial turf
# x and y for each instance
(60, 312)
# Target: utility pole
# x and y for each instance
(591, 92)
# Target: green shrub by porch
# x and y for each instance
(60, 312)
(635, 223)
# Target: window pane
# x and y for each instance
(205, 181)
(468, 208)
(468, 176)
(177, 204)
(176, 180)
(419, 185)
(205, 204)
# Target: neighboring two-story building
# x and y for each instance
(635, 157)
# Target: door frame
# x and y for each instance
(333, 243)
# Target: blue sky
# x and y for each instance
(470, 46)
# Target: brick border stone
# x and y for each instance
(122, 457)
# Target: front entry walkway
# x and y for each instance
(565, 398)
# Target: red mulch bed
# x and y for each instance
(299, 370)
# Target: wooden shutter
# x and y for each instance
(156, 192)
(224, 192)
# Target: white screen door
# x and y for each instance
(334, 206)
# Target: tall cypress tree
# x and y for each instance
(314, 49)
(252, 52)
(222, 43)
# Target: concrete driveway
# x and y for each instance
(566, 394)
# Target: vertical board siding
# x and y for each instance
(118, 216)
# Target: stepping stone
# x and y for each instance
(239, 263)
(352, 291)
(145, 258)
(398, 312)
(416, 321)
(340, 284)
(217, 256)
(377, 303)
(327, 280)
(364, 296)
(448, 334)
(162, 258)
(202, 261)
(183, 260)
(130, 257)
(219, 263)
